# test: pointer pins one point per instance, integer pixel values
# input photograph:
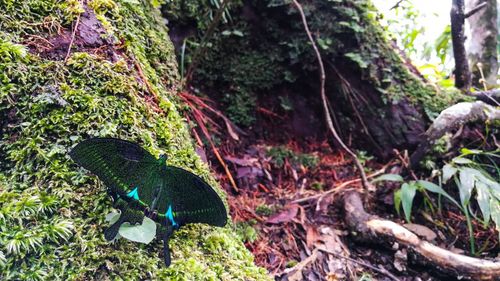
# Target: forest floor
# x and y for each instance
(287, 204)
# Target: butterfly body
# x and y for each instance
(142, 185)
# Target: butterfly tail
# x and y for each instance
(165, 235)
(111, 232)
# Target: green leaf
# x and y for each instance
(432, 187)
(461, 160)
(238, 33)
(495, 213)
(483, 199)
(356, 57)
(397, 201)
(466, 151)
(448, 172)
(389, 177)
(143, 233)
(408, 191)
(467, 180)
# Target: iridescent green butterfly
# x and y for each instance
(143, 186)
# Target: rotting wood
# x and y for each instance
(370, 228)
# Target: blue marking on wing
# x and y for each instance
(170, 215)
(133, 194)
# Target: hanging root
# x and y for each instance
(370, 228)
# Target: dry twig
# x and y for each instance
(341, 186)
(72, 38)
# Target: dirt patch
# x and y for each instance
(86, 35)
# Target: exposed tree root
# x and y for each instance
(370, 228)
(450, 119)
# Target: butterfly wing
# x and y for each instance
(186, 198)
(127, 169)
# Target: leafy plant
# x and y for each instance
(473, 177)
(470, 176)
(405, 195)
(280, 154)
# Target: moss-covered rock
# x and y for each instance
(119, 83)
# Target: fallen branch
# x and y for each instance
(450, 119)
(364, 180)
(370, 228)
(491, 97)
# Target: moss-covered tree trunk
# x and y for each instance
(118, 80)
(261, 53)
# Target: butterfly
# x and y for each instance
(143, 186)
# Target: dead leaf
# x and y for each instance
(421, 230)
(249, 172)
(230, 128)
(311, 236)
(289, 212)
(246, 161)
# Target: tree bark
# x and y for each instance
(483, 41)
(462, 72)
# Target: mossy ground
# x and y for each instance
(51, 211)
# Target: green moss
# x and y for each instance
(264, 210)
(273, 50)
(51, 211)
(317, 186)
(246, 231)
(280, 154)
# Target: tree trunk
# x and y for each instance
(483, 41)
(262, 58)
(70, 71)
(462, 71)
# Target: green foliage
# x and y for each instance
(246, 231)
(291, 263)
(280, 154)
(317, 186)
(52, 212)
(365, 277)
(264, 210)
(285, 103)
(477, 176)
(270, 49)
(240, 107)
